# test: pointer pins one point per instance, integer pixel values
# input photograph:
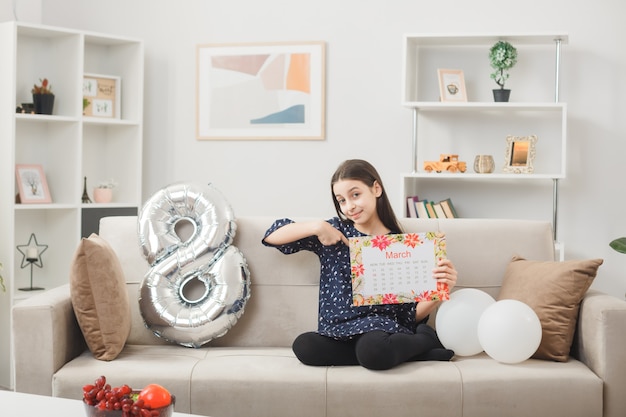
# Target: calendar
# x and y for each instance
(396, 268)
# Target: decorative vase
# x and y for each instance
(483, 164)
(102, 195)
(43, 103)
(501, 95)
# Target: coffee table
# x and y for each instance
(20, 404)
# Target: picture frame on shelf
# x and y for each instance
(520, 154)
(258, 91)
(452, 85)
(101, 96)
(32, 184)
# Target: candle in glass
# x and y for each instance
(32, 253)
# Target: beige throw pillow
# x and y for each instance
(554, 291)
(99, 297)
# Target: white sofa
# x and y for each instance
(251, 371)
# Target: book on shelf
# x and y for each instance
(410, 205)
(439, 210)
(420, 208)
(431, 209)
(448, 208)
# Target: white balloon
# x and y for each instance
(457, 320)
(509, 331)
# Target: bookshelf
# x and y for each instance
(69, 147)
(480, 125)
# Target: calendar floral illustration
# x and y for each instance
(396, 268)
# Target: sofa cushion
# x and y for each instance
(259, 382)
(99, 297)
(529, 388)
(424, 389)
(170, 366)
(554, 291)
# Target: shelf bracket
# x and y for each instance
(414, 142)
(557, 69)
(555, 206)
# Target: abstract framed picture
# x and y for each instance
(261, 91)
(32, 184)
(101, 96)
(452, 85)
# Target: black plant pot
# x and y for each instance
(501, 95)
(43, 103)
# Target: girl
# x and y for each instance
(375, 337)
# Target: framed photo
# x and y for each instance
(520, 154)
(101, 96)
(32, 184)
(451, 85)
(261, 91)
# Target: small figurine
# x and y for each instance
(86, 199)
(447, 162)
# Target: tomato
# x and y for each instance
(155, 396)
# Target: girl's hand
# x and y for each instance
(328, 235)
(291, 232)
(445, 272)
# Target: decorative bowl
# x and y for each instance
(93, 411)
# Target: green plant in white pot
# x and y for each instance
(502, 57)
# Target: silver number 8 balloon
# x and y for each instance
(196, 288)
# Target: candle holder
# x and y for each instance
(32, 257)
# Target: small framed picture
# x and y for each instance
(451, 85)
(101, 96)
(520, 154)
(32, 184)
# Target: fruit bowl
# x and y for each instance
(102, 400)
(93, 411)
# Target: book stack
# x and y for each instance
(425, 209)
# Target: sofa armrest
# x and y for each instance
(46, 336)
(601, 345)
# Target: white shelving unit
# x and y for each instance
(67, 145)
(480, 125)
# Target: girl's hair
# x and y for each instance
(360, 170)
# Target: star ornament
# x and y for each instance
(28, 251)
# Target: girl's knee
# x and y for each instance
(375, 354)
(304, 350)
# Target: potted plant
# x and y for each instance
(619, 244)
(502, 57)
(43, 97)
(103, 193)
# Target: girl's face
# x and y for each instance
(357, 202)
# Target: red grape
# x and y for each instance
(100, 394)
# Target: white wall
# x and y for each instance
(364, 115)
(22, 10)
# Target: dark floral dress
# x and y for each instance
(337, 317)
